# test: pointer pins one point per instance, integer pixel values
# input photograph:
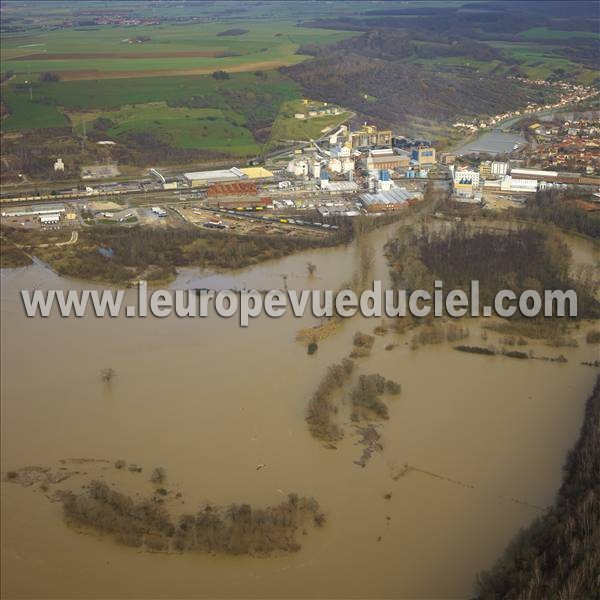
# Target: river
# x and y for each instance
(210, 401)
(500, 141)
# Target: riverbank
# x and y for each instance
(476, 142)
(557, 556)
(118, 256)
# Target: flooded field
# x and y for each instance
(479, 442)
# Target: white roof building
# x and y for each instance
(38, 209)
(499, 168)
(532, 173)
(513, 184)
(394, 197)
(217, 176)
(342, 186)
(466, 176)
(49, 219)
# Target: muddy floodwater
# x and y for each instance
(485, 437)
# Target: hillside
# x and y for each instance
(395, 91)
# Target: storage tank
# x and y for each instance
(301, 169)
(316, 169)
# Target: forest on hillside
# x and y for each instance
(376, 74)
(395, 91)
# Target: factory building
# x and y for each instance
(52, 219)
(384, 201)
(534, 174)
(424, 155)
(510, 183)
(499, 169)
(231, 189)
(340, 152)
(382, 182)
(336, 187)
(237, 195)
(447, 158)
(298, 167)
(316, 169)
(339, 135)
(344, 165)
(466, 177)
(201, 178)
(485, 169)
(342, 187)
(466, 181)
(198, 178)
(36, 210)
(369, 135)
(324, 180)
(389, 161)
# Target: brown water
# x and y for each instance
(210, 401)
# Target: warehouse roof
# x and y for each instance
(218, 175)
(37, 209)
(387, 158)
(396, 195)
(533, 173)
(342, 186)
(232, 189)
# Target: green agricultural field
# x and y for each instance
(539, 61)
(158, 79)
(106, 52)
(481, 66)
(195, 112)
(25, 114)
(245, 100)
(197, 128)
(114, 93)
(555, 34)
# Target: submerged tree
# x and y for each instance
(107, 375)
(158, 475)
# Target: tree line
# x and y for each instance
(236, 529)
